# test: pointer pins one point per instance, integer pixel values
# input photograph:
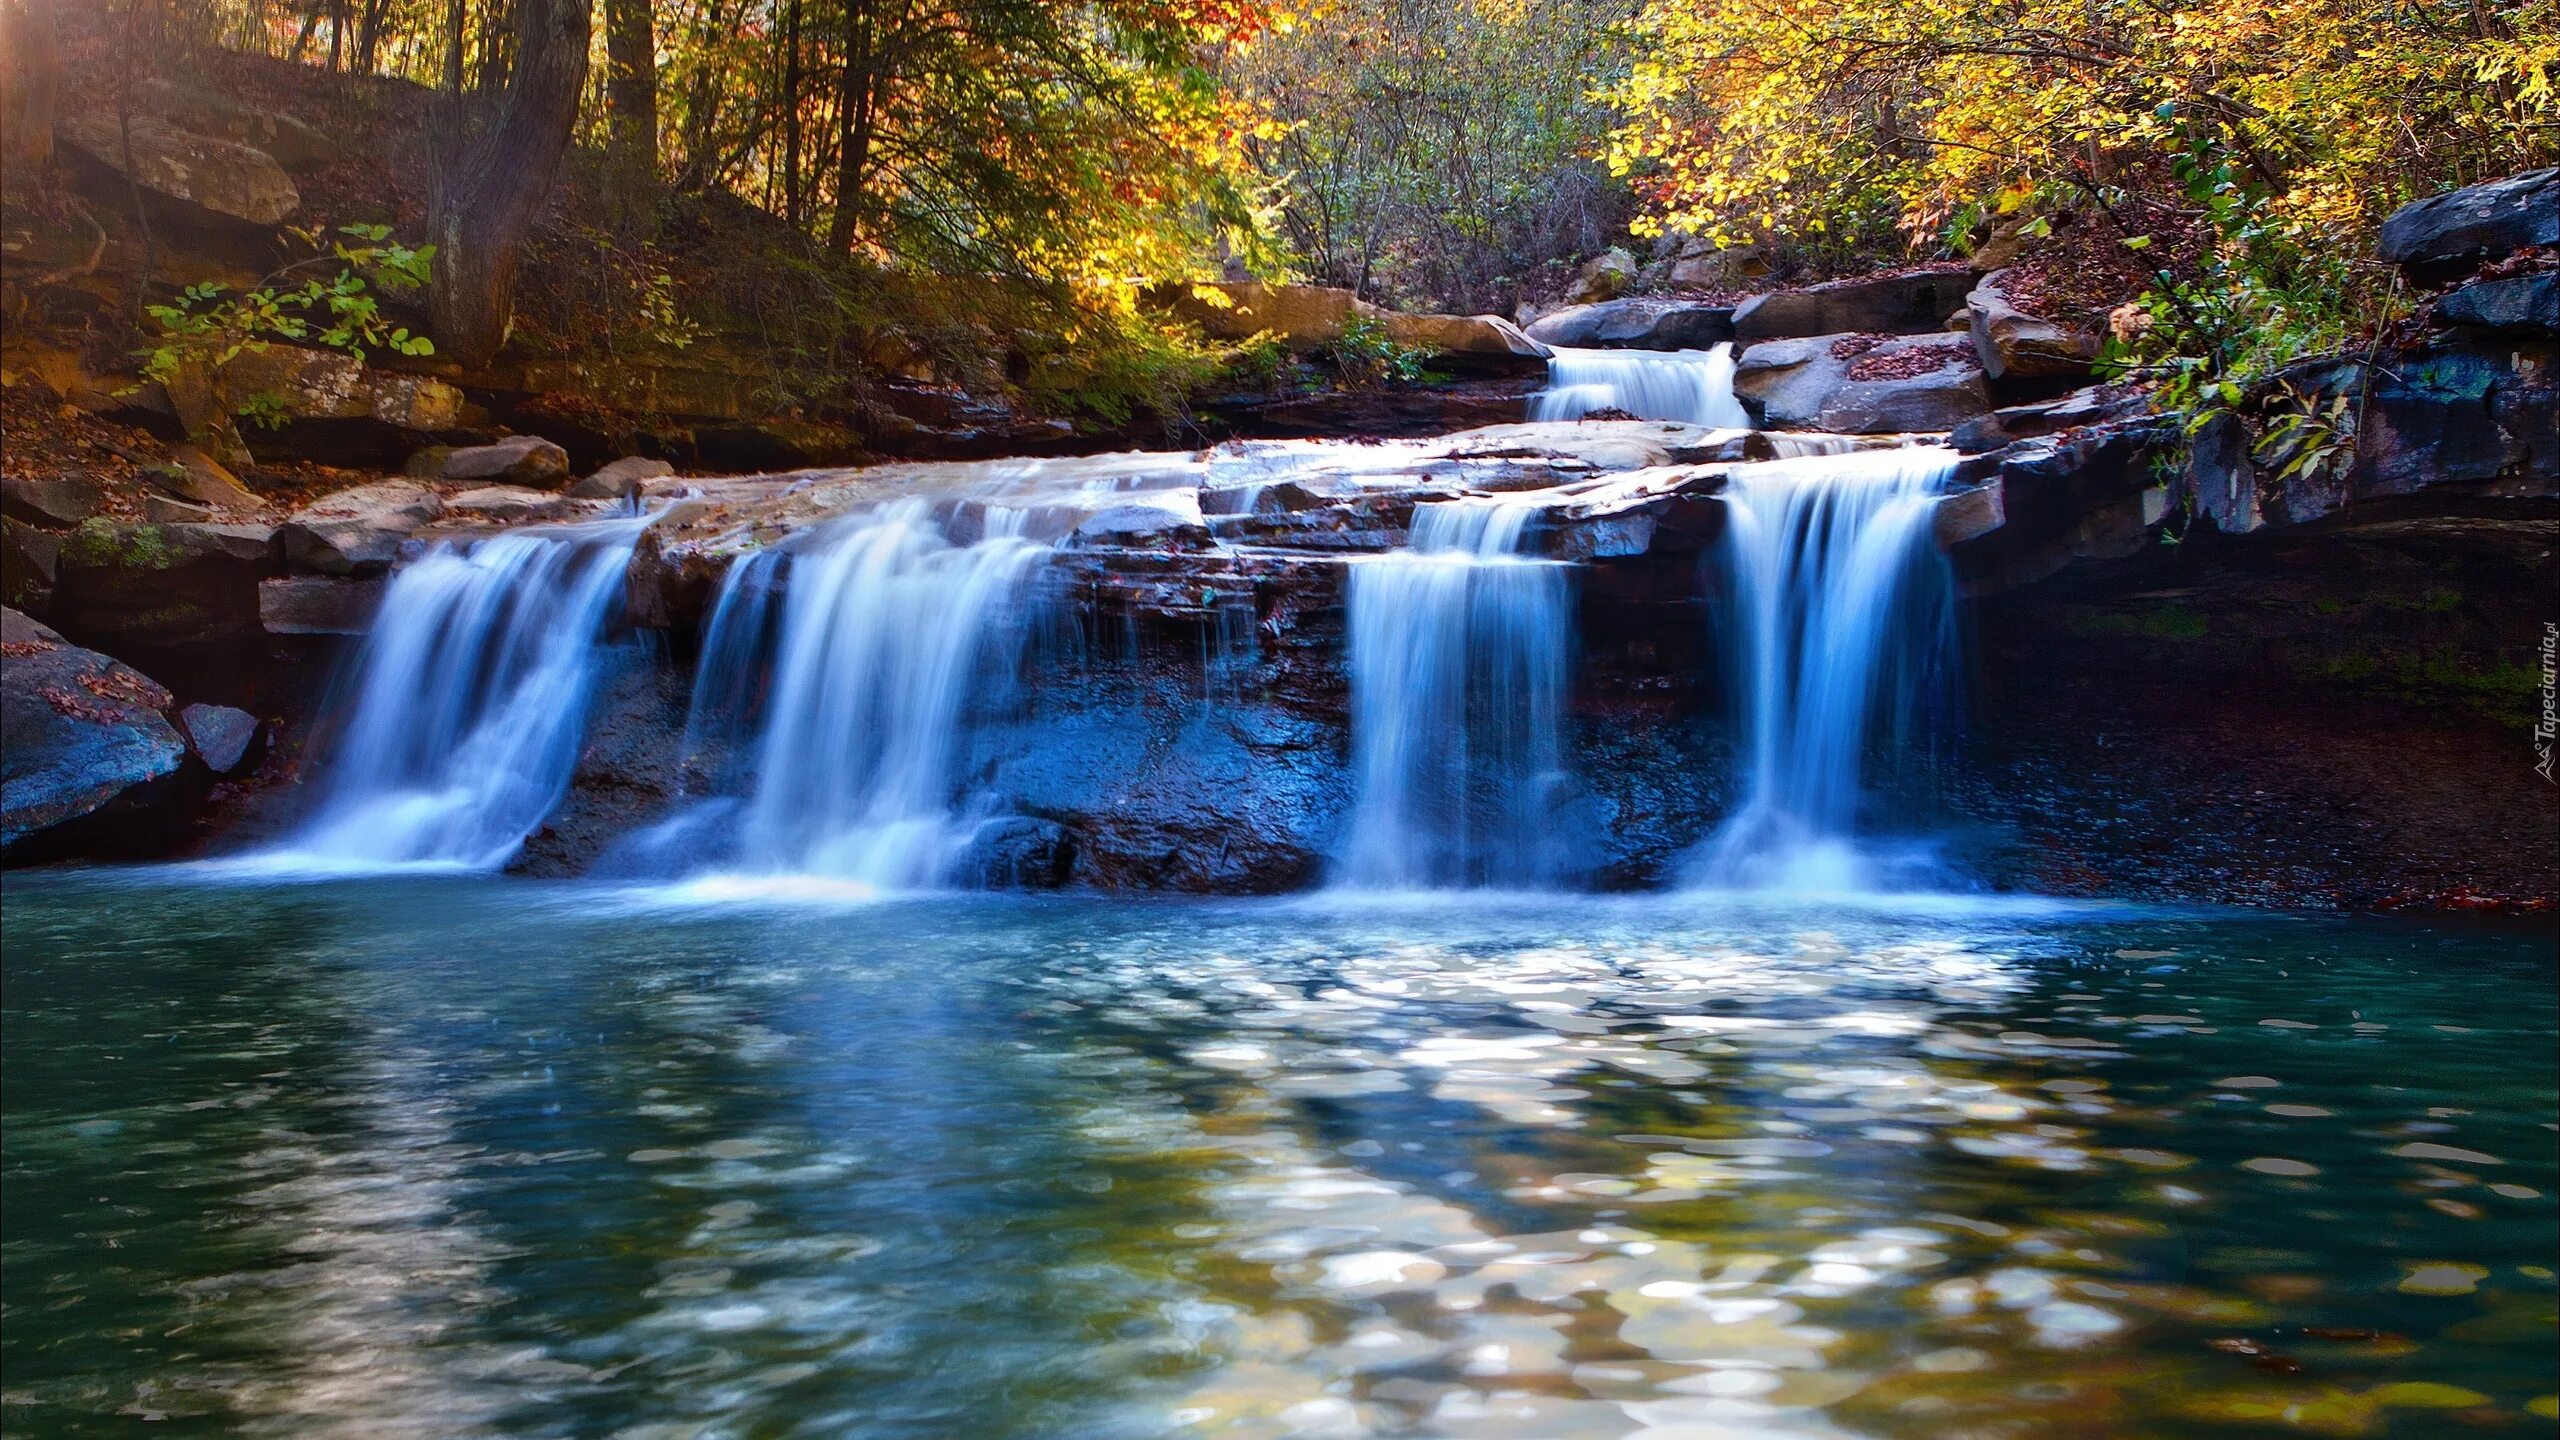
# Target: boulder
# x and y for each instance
(82, 739)
(358, 530)
(1861, 385)
(505, 505)
(516, 460)
(161, 584)
(317, 605)
(2526, 307)
(1307, 317)
(169, 510)
(28, 560)
(1479, 342)
(2015, 345)
(223, 176)
(2091, 406)
(1907, 304)
(620, 479)
(193, 475)
(331, 405)
(1637, 324)
(206, 110)
(2444, 236)
(55, 502)
(222, 736)
(1604, 276)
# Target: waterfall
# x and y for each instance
(885, 642)
(1691, 386)
(1458, 661)
(471, 698)
(1840, 614)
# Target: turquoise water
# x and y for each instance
(474, 1157)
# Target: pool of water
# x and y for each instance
(445, 1157)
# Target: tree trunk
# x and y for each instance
(791, 114)
(30, 86)
(368, 36)
(631, 130)
(490, 193)
(853, 124)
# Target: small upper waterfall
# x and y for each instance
(1691, 386)
(1459, 651)
(1840, 614)
(471, 697)
(885, 641)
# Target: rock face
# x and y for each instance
(517, 460)
(221, 175)
(2015, 345)
(2523, 307)
(1861, 384)
(222, 737)
(357, 531)
(318, 605)
(2446, 235)
(1637, 324)
(86, 742)
(1910, 304)
(2475, 414)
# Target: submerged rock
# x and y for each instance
(84, 743)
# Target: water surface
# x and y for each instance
(450, 1156)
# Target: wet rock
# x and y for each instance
(2014, 345)
(2446, 235)
(83, 743)
(1883, 305)
(223, 176)
(317, 605)
(1969, 514)
(620, 479)
(359, 530)
(1134, 527)
(222, 737)
(1859, 385)
(2084, 494)
(157, 584)
(55, 502)
(1017, 852)
(2525, 307)
(1389, 411)
(1637, 324)
(505, 505)
(526, 460)
(2011, 423)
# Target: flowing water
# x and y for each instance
(1459, 661)
(886, 641)
(1691, 386)
(470, 697)
(455, 1156)
(1839, 617)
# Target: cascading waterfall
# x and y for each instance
(887, 640)
(1459, 651)
(471, 697)
(1840, 615)
(1694, 387)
